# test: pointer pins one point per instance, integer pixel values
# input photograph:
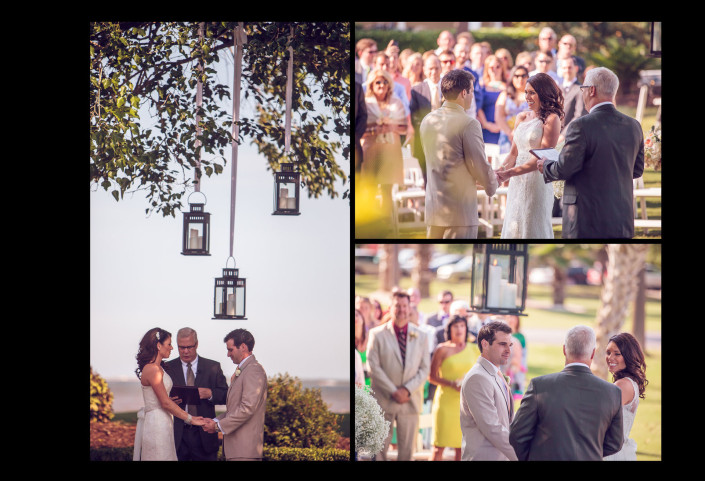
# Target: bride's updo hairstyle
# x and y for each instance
(635, 366)
(550, 96)
(148, 348)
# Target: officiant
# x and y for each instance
(190, 369)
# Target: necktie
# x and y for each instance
(402, 346)
(190, 381)
(504, 383)
(436, 101)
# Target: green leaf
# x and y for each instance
(116, 194)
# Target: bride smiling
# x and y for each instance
(529, 197)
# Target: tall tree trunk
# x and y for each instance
(388, 267)
(638, 329)
(421, 277)
(559, 280)
(623, 266)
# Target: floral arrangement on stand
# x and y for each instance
(558, 185)
(371, 429)
(652, 148)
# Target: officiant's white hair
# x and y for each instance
(604, 80)
(579, 342)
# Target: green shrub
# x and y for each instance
(297, 417)
(101, 399)
(270, 454)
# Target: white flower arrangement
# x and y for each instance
(371, 429)
(558, 185)
(652, 148)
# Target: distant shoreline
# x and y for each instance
(127, 395)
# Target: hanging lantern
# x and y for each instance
(229, 297)
(286, 190)
(196, 232)
(499, 278)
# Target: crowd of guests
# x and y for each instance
(397, 87)
(437, 367)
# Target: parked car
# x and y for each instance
(577, 274)
(407, 263)
(458, 271)
(366, 261)
(541, 275)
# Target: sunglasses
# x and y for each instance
(521, 75)
(380, 82)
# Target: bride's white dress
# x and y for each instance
(628, 451)
(154, 438)
(529, 198)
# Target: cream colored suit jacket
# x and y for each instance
(455, 161)
(484, 415)
(243, 421)
(386, 370)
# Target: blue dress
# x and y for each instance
(512, 109)
(489, 99)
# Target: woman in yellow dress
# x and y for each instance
(451, 360)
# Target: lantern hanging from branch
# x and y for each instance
(499, 279)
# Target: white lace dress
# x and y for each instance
(628, 451)
(529, 198)
(154, 437)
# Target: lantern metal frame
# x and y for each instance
(288, 175)
(515, 265)
(196, 216)
(228, 284)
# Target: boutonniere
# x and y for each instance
(506, 379)
(237, 372)
(413, 335)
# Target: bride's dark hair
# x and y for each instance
(635, 366)
(550, 96)
(148, 348)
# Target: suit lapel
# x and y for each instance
(488, 367)
(392, 338)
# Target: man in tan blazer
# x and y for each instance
(399, 362)
(486, 405)
(455, 162)
(242, 424)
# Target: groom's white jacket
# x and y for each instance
(455, 161)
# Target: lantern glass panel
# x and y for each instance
(478, 275)
(287, 195)
(195, 235)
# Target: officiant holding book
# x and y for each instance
(190, 369)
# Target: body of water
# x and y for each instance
(127, 394)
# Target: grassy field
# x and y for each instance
(583, 303)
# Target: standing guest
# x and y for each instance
(544, 63)
(398, 360)
(190, 369)
(413, 69)
(425, 96)
(586, 412)
(506, 58)
(457, 308)
(509, 103)
(381, 146)
(526, 59)
(445, 41)
(365, 49)
(451, 360)
(567, 47)
(242, 424)
(547, 41)
(518, 370)
(364, 305)
(573, 105)
(360, 348)
(395, 68)
(462, 61)
(447, 59)
(602, 154)
(360, 125)
(445, 298)
(625, 360)
(382, 63)
(477, 61)
(415, 299)
(494, 84)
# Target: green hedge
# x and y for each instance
(270, 454)
(512, 38)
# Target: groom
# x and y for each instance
(242, 424)
(603, 153)
(455, 162)
(571, 415)
(486, 405)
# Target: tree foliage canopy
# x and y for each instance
(143, 104)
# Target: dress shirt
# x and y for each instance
(577, 364)
(601, 103)
(194, 368)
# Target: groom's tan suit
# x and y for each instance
(387, 373)
(455, 161)
(243, 421)
(486, 411)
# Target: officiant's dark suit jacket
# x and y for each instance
(567, 416)
(573, 105)
(603, 153)
(209, 375)
(420, 106)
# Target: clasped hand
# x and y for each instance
(502, 175)
(198, 421)
(209, 426)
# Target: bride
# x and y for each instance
(529, 198)
(625, 360)
(154, 438)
